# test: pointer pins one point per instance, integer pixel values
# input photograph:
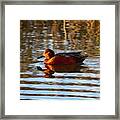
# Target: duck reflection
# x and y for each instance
(51, 69)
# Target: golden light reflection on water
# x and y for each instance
(71, 81)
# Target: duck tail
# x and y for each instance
(82, 57)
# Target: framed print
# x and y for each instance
(60, 59)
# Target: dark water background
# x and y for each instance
(73, 82)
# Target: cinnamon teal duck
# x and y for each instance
(63, 58)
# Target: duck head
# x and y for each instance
(48, 54)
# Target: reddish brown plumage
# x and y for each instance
(51, 58)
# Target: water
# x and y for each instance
(68, 82)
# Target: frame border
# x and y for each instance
(55, 2)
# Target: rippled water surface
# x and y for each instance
(68, 82)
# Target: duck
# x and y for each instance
(63, 58)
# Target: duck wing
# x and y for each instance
(69, 54)
(73, 54)
(80, 56)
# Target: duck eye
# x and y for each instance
(49, 53)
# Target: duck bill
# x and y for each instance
(40, 57)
